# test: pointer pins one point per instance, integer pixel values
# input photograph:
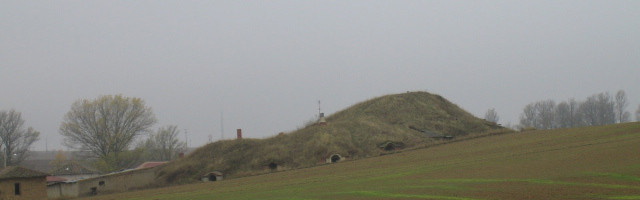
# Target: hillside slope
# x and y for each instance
(405, 120)
(580, 163)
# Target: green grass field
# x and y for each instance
(581, 163)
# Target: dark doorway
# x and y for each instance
(212, 177)
(335, 158)
(17, 188)
(94, 191)
(389, 147)
(273, 166)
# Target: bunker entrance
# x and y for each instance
(212, 177)
(389, 147)
(273, 166)
(335, 158)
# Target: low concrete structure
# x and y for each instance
(334, 158)
(21, 183)
(212, 176)
(109, 183)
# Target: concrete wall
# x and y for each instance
(219, 177)
(329, 159)
(116, 182)
(30, 188)
(59, 190)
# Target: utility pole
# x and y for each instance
(186, 138)
(319, 111)
(221, 125)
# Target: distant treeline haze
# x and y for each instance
(598, 109)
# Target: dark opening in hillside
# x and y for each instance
(335, 158)
(273, 166)
(389, 147)
(212, 177)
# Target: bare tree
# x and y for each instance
(598, 110)
(163, 145)
(540, 115)
(567, 115)
(563, 115)
(620, 107)
(16, 139)
(106, 126)
(547, 114)
(529, 116)
(492, 116)
(576, 117)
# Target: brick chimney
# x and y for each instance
(239, 133)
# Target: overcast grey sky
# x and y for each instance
(265, 64)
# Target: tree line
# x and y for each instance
(109, 129)
(595, 110)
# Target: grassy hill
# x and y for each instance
(580, 163)
(407, 120)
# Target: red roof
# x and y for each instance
(150, 165)
(55, 179)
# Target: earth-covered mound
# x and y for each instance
(370, 128)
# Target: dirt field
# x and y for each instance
(582, 163)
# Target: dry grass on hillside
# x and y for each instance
(354, 133)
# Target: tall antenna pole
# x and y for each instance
(221, 125)
(319, 111)
(186, 138)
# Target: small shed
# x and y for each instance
(22, 183)
(212, 176)
(322, 121)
